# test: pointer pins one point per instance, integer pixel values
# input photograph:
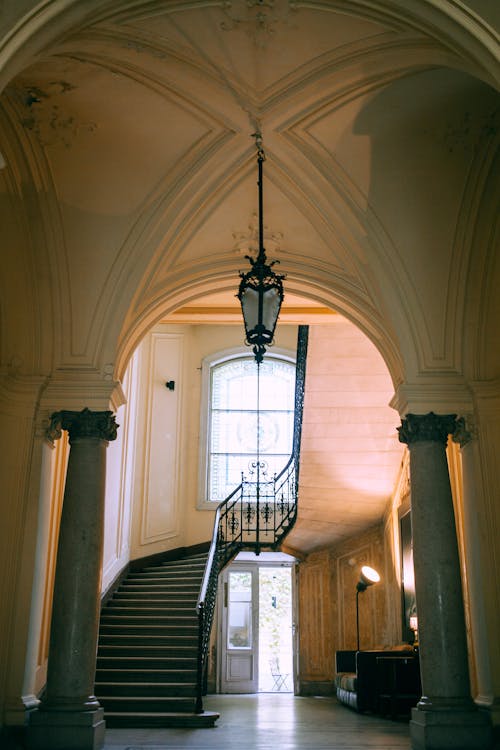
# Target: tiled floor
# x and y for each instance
(272, 722)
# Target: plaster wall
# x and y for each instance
(165, 485)
(119, 483)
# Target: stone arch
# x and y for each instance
(353, 309)
(49, 25)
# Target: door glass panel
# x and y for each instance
(239, 630)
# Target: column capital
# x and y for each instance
(465, 430)
(83, 424)
(416, 428)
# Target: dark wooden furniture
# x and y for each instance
(398, 685)
(386, 682)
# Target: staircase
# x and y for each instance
(148, 648)
(154, 634)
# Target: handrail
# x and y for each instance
(205, 609)
(248, 519)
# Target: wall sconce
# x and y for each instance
(368, 577)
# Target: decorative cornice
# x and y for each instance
(439, 394)
(417, 428)
(83, 424)
(79, 389)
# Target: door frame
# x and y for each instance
(254, 563)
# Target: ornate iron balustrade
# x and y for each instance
(256, 515)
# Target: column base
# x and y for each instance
(66, 730)
(450, 730)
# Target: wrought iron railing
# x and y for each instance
(257, 515)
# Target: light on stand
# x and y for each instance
(368, 577)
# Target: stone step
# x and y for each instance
(150, 596)
(164, 579)
(116, 719)
(143, 689)
(147, 608)
(120, 661)
(146, 675)
(150, 703)
(175, 586)
(194, 571)
(168, 628)
(200, 556)
(131, 640)
(185, 617)
(162, 645)
(107, 629)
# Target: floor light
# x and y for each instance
(368, 577)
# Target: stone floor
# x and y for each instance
(270, 721)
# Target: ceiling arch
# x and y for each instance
(34, 27)
(141, 115)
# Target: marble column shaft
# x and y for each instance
(75, 611)
(438, 586)
(446, 716)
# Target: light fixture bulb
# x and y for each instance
(370, 575)
(367, 577)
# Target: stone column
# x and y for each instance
(69, 715)
(446, 716)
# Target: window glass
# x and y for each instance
(239, 631)
(233, 420)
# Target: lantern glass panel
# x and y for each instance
(250, 309)
(270, 311)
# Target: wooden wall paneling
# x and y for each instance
(315, 620)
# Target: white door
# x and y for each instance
(240, 631)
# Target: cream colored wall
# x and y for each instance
(482, 532)
(165, 489)
(51, 502)
(120, 460)
(21, 452)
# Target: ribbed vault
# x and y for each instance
(129, 187)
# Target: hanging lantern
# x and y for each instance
(261, 289)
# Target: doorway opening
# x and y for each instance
(257, 639)
(275, 630)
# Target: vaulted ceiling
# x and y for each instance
(130, 140)
(130, 177)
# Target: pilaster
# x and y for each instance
(21, 448)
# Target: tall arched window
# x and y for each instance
(231, 437)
